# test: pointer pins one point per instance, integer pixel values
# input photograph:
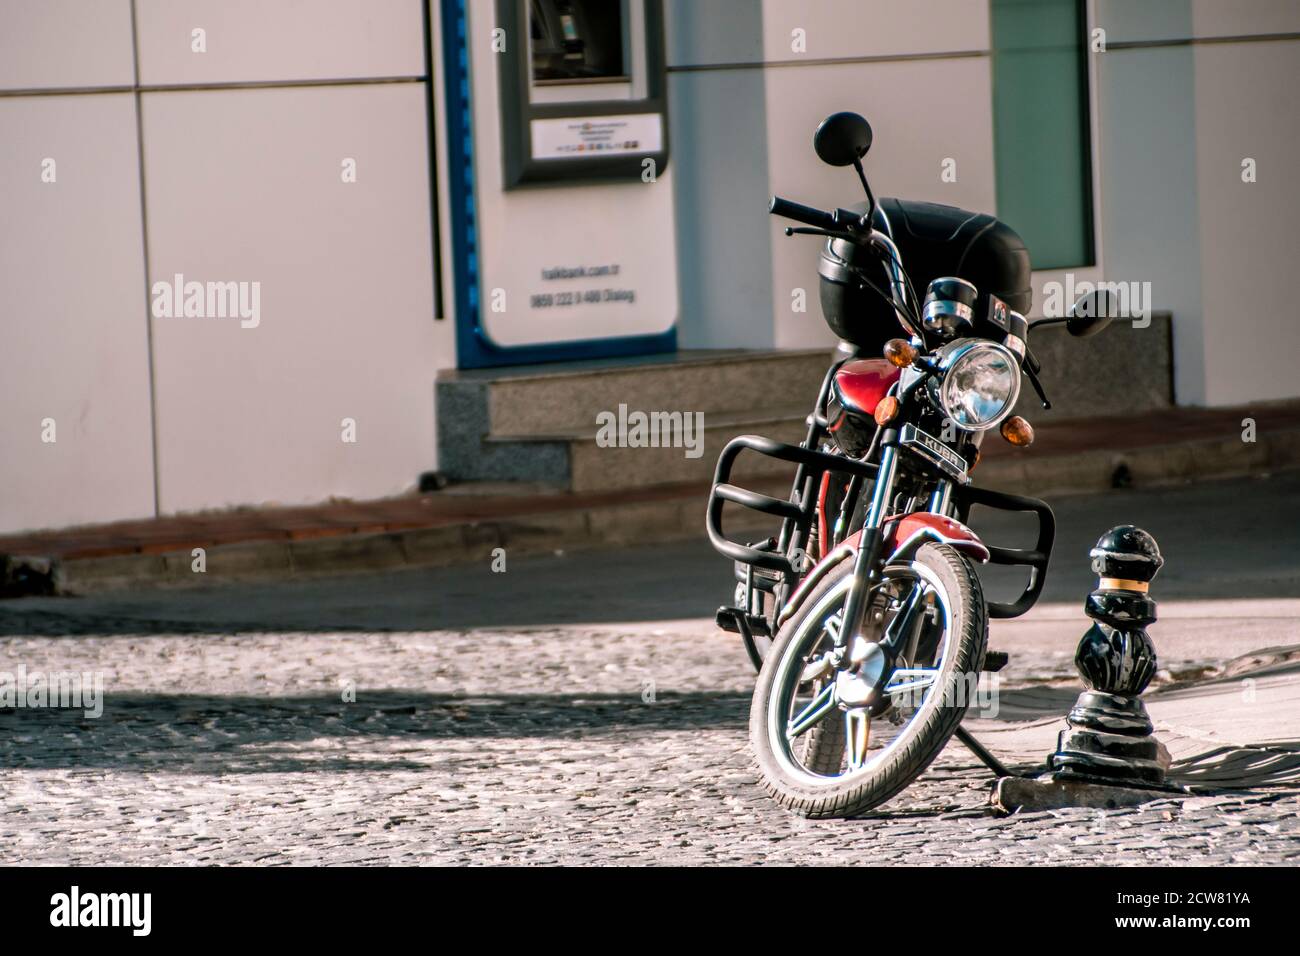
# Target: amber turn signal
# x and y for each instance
(1018, 431)
(900, 352)
(886, 410)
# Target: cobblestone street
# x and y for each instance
(230, 733)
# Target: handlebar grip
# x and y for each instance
(818, 218)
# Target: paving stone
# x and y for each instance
(242, 747)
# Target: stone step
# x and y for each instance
(708, 382)
(522, 424)
(595, 466)
(1122, 371)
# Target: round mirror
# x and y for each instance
(1091, 313)
(842, 139)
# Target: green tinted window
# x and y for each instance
(1040, 136)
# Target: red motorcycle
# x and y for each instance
(865, 615)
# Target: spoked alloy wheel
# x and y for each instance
(823, 748)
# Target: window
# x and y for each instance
(1041, 136)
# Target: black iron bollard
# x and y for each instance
(1109, 737)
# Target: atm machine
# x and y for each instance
(561, 203)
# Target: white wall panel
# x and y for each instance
(1127, 21)
(1154, 20)
(724, 246)
(72, 314)
(245, 185)
(862, 28)
(255, 40)
(65, 43)
(1215, 18)
(716, 32)
(1245, 107)
(1150, 217)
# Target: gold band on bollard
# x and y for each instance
(1123, 584)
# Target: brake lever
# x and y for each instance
(812, 231)
(1031, 361)
(1038, 386)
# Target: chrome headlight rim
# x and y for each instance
(951, 355)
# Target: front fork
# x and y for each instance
(870, 543)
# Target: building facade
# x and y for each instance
(240, 238)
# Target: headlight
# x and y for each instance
(978, 384)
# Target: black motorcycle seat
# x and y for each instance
(937, 240)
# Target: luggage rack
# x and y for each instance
(767, 563)
(1036, 559)
(797, 512)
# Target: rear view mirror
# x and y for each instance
(842, 139)
(1091, 313)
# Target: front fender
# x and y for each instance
(904, 535)
(911, 530)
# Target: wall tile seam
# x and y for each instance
(213, 85)
(829, 61)
(1153, 44)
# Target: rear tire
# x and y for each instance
(821, 791)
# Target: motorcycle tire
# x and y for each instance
(816, 796)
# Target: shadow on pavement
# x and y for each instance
(246, 734)
(1269, 765)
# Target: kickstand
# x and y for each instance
(985, 756)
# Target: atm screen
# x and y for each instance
(577, 41)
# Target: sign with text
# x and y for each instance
(595, 136)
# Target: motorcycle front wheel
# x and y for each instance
(818, 750)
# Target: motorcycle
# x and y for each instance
(865, 615)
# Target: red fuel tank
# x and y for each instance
(862, 383)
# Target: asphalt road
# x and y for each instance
(581, 708)
(1237, 539)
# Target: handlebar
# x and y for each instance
(807, 215)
